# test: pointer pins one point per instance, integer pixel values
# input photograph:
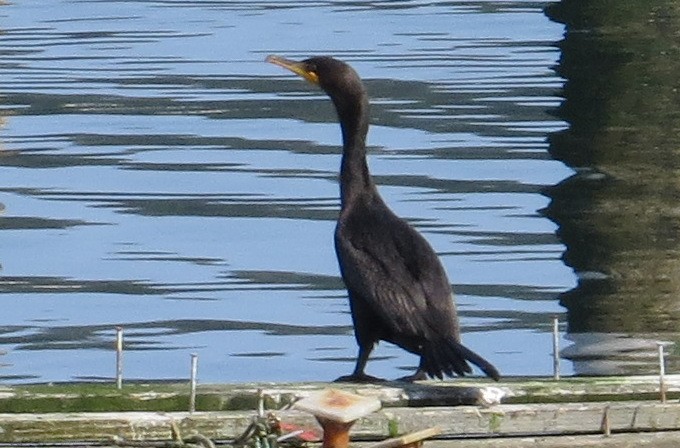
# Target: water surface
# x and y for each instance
(618, 213)
(156, 173)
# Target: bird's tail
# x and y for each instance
(450, 357)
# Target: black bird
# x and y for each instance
(398, 290)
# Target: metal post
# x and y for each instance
(260, 403)
(556, 348)
(194, 370)
(662, 372)
(606, 423)
(119, 357)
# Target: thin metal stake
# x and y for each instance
(192, 395)
(662, 372)
(119, 357)
(260, 403)
(556, 348)
(606, 423)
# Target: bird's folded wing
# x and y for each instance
(396, 272)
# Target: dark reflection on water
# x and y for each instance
(618, 214)
(157, 174)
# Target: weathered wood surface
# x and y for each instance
(501, 420)
(535, 411)
(638, 440)
(175, 397)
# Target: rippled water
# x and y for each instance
(155, 173)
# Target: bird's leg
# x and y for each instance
(358, 376)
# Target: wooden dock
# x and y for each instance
(534, 412)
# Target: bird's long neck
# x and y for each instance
(355, 178)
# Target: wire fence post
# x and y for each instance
(662, 372)
(556, 348)
(192, 381)
(119, 357)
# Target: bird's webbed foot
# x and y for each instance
(419, 375)
(359, 378)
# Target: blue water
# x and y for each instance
(156, 173)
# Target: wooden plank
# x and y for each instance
(639, 440)
(506, 420)
(95, 397)
(544, 418)
(175, 397)
(539, 419)
(631, 440)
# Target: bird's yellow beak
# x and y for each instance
(296, 67)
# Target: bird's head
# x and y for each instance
(335, 77)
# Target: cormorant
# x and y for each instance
(398, 290)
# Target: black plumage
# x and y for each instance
(398, 289)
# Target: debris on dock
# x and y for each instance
(336, 411)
